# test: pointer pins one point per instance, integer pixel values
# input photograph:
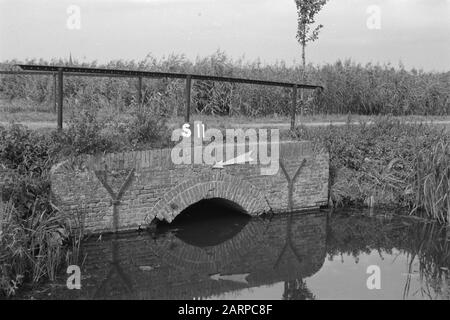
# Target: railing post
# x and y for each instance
(55, 95)
(294, 106)
(139, 99)
(60, 98)
(302, 102)
(188, 98)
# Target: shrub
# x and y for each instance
(144, 127)
(83, 135)
(23, 150)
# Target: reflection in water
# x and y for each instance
(297, 290)
(290, 257)
(413, 256)
(115, 272)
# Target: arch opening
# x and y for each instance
(207, 223)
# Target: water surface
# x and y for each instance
(212, 253)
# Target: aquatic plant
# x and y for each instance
(429, 246)
(432, 182)
(32, 247)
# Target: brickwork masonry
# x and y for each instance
(125, 191)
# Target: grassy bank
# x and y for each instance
(389, 163)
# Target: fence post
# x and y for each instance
(55, 95)
(188, 98)
(294, 106)
(139, 99)
(60, 98)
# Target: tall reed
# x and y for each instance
(432, 182)
(395, 163)
(32, 247)
(349, 87)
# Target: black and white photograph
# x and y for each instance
(215, 157)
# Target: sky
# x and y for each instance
(413, 32)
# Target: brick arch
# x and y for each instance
(209, 186)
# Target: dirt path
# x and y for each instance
(34, 125)
(326, 123)
(52, 125)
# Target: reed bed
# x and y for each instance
(389, 164)
(432, 182)
(33, 247)
(354, 88)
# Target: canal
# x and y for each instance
(214, 250)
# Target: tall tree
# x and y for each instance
(306, 32)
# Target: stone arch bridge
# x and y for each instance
(126, 191)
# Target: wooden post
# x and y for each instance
(188, 98)
(294, 106)
(60, 98)
(139, 90)
(55, 95)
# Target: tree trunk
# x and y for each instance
(302, 102)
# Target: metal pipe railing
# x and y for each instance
(59, 72)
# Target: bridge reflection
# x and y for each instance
(172, 265)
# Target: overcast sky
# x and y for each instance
(416, 32)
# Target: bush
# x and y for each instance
(28, 157)
(83, 135)
(144, 127)
(23, 150)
